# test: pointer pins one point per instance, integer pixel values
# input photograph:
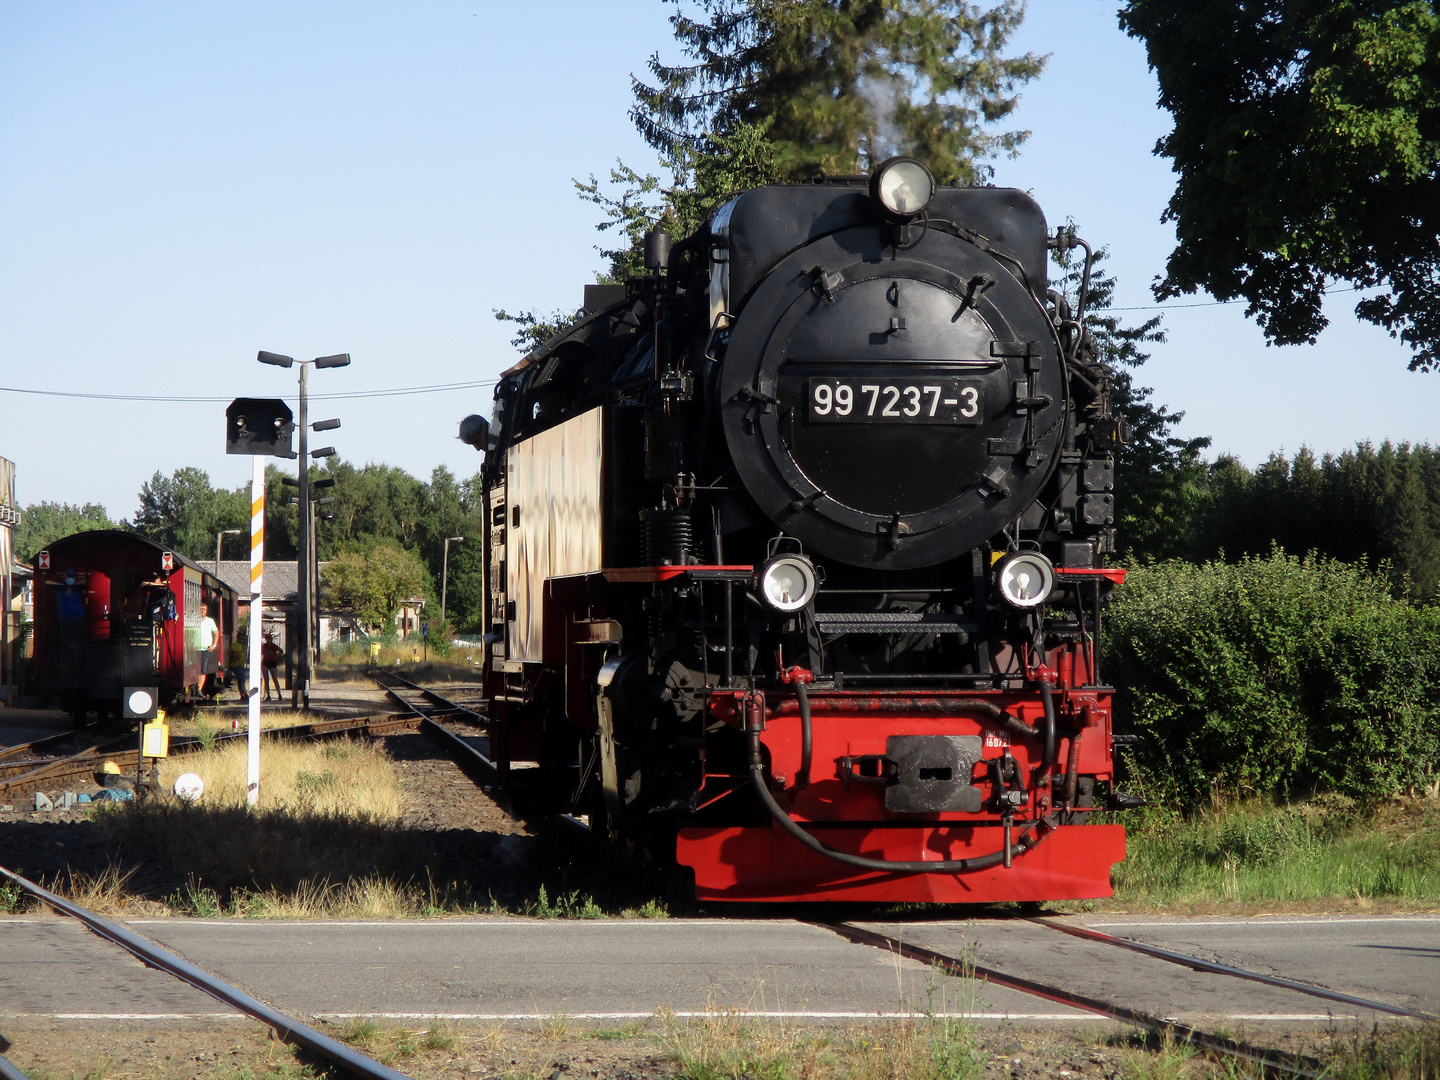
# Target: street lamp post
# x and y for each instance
(304, 568)
(445, 573)
(218, 535)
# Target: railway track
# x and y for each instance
(428, 709)
(20, 775)
(435, 708)
(284, 1027)
(1269, 1061)
(469, 749)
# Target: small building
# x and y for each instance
(281, 602)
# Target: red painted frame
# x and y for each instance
(766, 864)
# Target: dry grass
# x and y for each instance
(325, 839)
(105, 893)
(347, 779)
(727, 1044)
(215, 723)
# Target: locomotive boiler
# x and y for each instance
(796, 553)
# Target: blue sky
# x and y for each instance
(184, 184)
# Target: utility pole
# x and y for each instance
(218, 535)
(305, 555)
(301, 689)
(445, 572)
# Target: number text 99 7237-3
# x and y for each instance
(896, 401)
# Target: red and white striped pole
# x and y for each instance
(257, 625)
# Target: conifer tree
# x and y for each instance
(1160, 476)
(843, 84)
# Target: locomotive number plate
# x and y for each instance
(896, 401)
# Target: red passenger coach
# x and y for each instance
(114, 609)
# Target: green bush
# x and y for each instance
(1275, 677)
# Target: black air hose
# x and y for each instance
(947, 866)
(1049, 703)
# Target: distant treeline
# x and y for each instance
(1376, 506)
(376, 507)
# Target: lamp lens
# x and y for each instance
(1026, 580)
(906, 188)
(788, 583)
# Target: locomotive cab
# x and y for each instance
(796, 553)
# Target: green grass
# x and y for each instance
(1406, 1053)
(13, 899)
(566, 906)
(1253, 853)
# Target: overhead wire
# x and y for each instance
(402, 391)
(1214, 303)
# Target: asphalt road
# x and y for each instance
(1387, 960)
(614, 969)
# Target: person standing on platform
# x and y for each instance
(269, 665)
(240, 667)
(209, 654)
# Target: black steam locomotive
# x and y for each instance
(796, 553)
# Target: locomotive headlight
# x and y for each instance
(903, 187)
(787, 582)
(1025, 579)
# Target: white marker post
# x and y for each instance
(257, 626)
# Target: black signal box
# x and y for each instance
(259, 426)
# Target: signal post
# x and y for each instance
(258, 427)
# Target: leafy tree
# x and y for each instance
(184, 513)
(377, 501)
(1160, 476)
(842, 84)
(43, 522)
(374, 582)
(532, 330)
(282, 521)
(1273, 676)
(1307, 150)
(466, 600)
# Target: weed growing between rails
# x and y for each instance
(1328, 851)
(206, 724)
(936, 1040)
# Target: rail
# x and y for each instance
(477, 765)
(1197, 964)
(285, 1027)
(1273, 1061)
